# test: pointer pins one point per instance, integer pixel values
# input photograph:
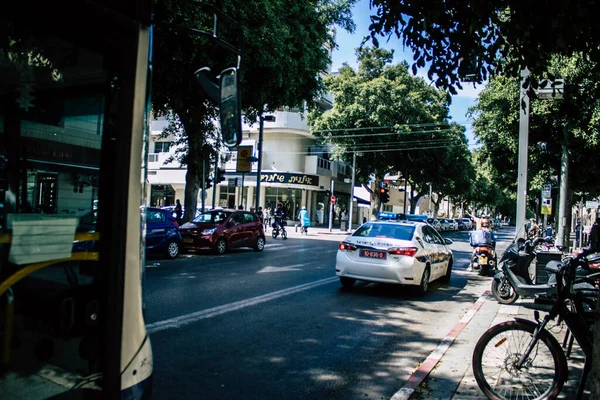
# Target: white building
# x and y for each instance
(296, 171)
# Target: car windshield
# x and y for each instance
(400, 232)
(217, 217)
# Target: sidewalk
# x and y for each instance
(447, 372)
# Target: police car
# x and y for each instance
(398, 252)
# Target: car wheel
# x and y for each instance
(221, 246)
(260, 244)
(172, 249)
(446, 278)
(424, 285)
(347, 282)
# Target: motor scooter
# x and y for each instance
(513, 279)
(483, 259)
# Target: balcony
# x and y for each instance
(157, 160)
(315, 165)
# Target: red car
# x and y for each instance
(221, 229)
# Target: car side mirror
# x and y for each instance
(448, 241)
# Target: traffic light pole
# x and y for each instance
(215, 183)
(261, 126)
(203, 191)
(331, 207)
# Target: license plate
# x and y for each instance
(483, 259)
(381, 255)
(188, 240)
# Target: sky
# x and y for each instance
(347, 43)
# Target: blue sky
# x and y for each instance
(347, 43)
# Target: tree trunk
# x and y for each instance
(192, 186)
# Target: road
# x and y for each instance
(278, 325)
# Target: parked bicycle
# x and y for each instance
(521, 358)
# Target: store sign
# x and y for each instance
(286, 177)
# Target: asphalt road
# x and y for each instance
(278, 325)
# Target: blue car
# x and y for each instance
(162, 232)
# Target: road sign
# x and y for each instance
(546, 206)
(244, 158)
(546, 191)
(591, 204)
(332, 199)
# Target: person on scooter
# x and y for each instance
(279, 215)
(483, 237)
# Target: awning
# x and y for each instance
(362, 201)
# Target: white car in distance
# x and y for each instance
(404, 253)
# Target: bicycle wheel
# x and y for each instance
(497, 353)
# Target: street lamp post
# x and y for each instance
(352, 191)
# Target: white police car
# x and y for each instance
(398, 252)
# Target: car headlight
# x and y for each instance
(209, 231)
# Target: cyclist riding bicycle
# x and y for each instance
(280, 217)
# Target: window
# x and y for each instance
(154, 217)
(161, 147)
(237, 218)
(401, 232)
(250, 218)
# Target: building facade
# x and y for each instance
(296, 171)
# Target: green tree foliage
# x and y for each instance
(496, 124)
(493, 37)
(284, 52)
(398, 123)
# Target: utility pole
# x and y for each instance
(564, 189)
(523, 154)
(352, 192)
(331, 206)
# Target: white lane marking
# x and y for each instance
(273, 245)
(270, 268)
(182, 320)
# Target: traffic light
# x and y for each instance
(384, 195)
(208, 183)
(219, 175)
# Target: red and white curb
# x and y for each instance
(436, 355)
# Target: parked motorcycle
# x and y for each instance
(483, 259)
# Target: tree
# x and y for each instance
(398, 122)
(476, 39)
(284, 53)
(496, 127)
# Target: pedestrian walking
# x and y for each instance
(577, 234)
(178, 212)
(594, 243)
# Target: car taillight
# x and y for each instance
(347, 246)
(175, 224)
(403, 251)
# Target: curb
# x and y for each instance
(415, 380)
